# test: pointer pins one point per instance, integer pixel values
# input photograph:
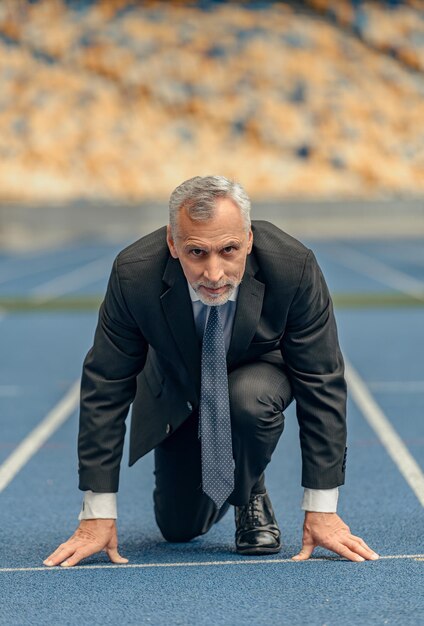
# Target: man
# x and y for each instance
(211, 327)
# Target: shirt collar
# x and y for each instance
(195, 298)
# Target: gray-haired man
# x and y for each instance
(153, 344)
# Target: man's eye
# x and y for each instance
(228, 249)
(196, 252)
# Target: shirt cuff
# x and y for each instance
(98, 506)
(320, 500)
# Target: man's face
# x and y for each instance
(212, 252)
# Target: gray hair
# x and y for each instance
(198, 196)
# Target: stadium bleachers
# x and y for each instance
(124, 99)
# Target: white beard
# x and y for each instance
(215, 300)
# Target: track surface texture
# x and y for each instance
(205, 582)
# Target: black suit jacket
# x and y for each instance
(146, 351)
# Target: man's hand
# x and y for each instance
(329, 531)
(92, 535)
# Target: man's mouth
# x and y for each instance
(214, 290)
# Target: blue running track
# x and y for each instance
(378, 288)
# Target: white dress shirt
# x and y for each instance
(104, 505)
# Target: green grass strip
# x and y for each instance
(30, 304)
(92, 302)
(376, 300)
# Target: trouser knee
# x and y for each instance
(176, 534)
(183, 518)
(258, 393)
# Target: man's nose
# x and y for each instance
(213, 271)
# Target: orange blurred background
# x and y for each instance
(121, 100)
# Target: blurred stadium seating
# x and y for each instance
(124, 100)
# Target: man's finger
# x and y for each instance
(345, 552)
(82, 552)
(364, 545)
(305, 553)
(356, 546)
(59, 555)
(114, 556)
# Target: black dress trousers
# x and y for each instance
(259, 393)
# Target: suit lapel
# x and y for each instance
(248, 312)
(178, 310)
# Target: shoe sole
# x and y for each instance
(258, 551)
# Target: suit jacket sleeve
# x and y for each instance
(311, 351)
(107, 389)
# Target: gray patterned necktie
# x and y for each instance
(215, 423)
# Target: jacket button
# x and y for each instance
(189, 405)
(168, 429)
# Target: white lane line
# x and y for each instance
(397, 386)
(39, 435)
(17, 266)
(71, 281)
(32, 443)
(417, 557)
(32, 266)
(394, 445)
(372, 268)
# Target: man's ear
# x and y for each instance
(250, 241)
(170, 242)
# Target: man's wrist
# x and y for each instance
(98, 506)
(320, 500)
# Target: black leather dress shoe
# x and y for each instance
(257, 531)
